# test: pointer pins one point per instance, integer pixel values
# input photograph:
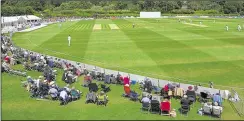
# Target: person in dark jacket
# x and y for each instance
(185, 101)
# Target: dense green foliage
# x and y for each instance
(50, 8)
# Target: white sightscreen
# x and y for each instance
(150, 14)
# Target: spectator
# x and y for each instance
(63, 97)
(207, 108)
(165, 106)
(217, 107)
(217, 98)
(145, 100)
(191, 94)
(185, 101)
(53, 93)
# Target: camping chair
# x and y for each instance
(75, 94)
(102, 100)
(203, 97)
(165, 108)
(113, 79)
(185, 109)
(216, 112)
(145, 107)
(87, 81)
(105, 88)
(93, 87)
(156, 89)
(207, 110)
(91, 98)
(93, 75)
(133, 96)
(107, 79)
(155, 107)
(191, 95)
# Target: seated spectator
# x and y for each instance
(185, 101)
(67, 88)
(191, 94)
(64, 97)
(127, 89)
(217, 98)
(155, 105)
(145, 94)
(217, 110)
(87, 80)
(53, 93)
(145, 100)
(102, 99)
(178, 92)
(166, 88)
(91, 97)
(5, 66)
(7, 59)
(75, 94)
(126, 80)
(165, 106)
(207, 108)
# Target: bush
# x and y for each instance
(182, 11)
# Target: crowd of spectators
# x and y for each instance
(160, 101)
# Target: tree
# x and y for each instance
(7, 11)
(148, 5)
(29, 10)
(121, 6)
(228, 8)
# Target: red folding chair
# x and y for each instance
(165, 107)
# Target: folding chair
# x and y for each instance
(156, 89)
(216, 112)
(165, 108)
(184, 109)
(155, 107)
(145, 107)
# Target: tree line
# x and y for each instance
(88, 8)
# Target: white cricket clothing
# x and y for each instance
(69, 39)
(239, 28)
(227, 28)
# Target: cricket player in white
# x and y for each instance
(69, 39)
(200, 23)
(60, 25)
(227, 28)
(239, 27)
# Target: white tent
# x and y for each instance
(12, 21)
(31, 18)
(15, 20)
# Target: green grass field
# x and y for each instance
(164, 49)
